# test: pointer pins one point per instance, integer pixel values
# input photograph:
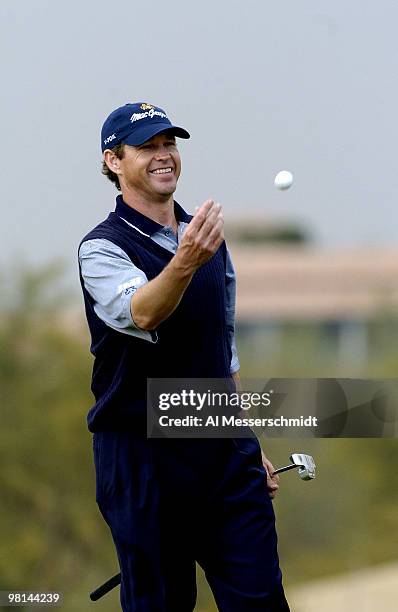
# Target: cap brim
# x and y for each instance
(141, 135)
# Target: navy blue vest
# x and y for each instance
(192, 342)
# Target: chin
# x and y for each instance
(167, 192)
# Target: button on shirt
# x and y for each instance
(111, 279)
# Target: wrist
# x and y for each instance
(182, 266)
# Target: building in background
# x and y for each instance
(347, 298)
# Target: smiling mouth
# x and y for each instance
(167, 170)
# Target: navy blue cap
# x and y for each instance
(135, 123)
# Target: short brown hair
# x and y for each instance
(118, 150)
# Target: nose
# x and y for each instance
(162, 153)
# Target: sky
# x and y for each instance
(307, 86)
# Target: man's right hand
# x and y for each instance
(203, 236)
(152, 303)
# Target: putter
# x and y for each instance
(306, 469)
(305, 464)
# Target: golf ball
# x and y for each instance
(283, 179)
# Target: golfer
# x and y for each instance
(159, 293)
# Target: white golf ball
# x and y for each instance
(283, 179)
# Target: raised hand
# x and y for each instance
(203, 236)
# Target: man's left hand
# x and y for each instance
(272, 481)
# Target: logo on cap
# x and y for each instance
(146, 106)
(109, 139)
(151, 113)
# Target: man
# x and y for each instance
(159, 291)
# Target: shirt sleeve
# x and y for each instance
(230, 283)
(111, 279)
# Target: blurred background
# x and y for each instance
(307, 87)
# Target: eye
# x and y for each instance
(146, 147)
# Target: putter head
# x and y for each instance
(306, 465)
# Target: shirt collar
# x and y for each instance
(145, 224)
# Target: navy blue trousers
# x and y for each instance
(170, 503)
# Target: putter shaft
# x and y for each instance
(285, 469)
(105, 588)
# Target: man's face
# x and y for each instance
(152, 169)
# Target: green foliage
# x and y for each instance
(50, 527)
(52, 534)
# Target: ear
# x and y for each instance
(112, 161)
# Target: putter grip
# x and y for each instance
(105, 588)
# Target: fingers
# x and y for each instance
(272, 486)
(212, 225)
(206, 228)
(272, 481)
(205, 215)
(216, 235)
(203, 235)
(201, 215)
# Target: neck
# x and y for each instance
(161, 210)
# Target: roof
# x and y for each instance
(300, 283)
